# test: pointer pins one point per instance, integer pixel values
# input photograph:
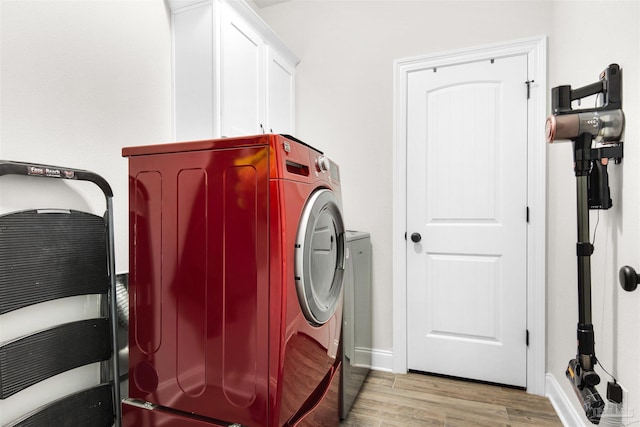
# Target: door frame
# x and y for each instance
(536, 51)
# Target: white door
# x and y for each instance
(466, 198)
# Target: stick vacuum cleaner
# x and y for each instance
(596, 136)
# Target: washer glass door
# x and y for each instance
(320, 257)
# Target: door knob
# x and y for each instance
(629, 279)
(416, 237)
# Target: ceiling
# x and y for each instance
(265, 3)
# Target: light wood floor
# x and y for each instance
(391, 400)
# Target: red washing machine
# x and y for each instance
(237, 251)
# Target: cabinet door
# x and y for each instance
(280, 94)
(193, 72)
(241, 82)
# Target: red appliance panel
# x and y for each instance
(307, 353)
(200, 146)
(292, 161)
(216, 325)
(321, 408)
(137, 416)
(303, 378)
(199, 282)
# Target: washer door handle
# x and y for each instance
(416, 237)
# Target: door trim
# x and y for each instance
(536, 51)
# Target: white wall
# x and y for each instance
(344, 106)
(577, 53)
(80, 80)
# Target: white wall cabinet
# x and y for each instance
(242, 85)
(280, 93)
(232, 75)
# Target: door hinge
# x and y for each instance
(527, 215)
(528, 83)
(527, 338)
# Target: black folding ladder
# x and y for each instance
(46, 255)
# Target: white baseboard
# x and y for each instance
(362, 356)
(561, 403)
(381, 360)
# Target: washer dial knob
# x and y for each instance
(323, 164)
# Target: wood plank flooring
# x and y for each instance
(392, 400)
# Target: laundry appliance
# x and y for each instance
(356, 319)
(237, 254)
